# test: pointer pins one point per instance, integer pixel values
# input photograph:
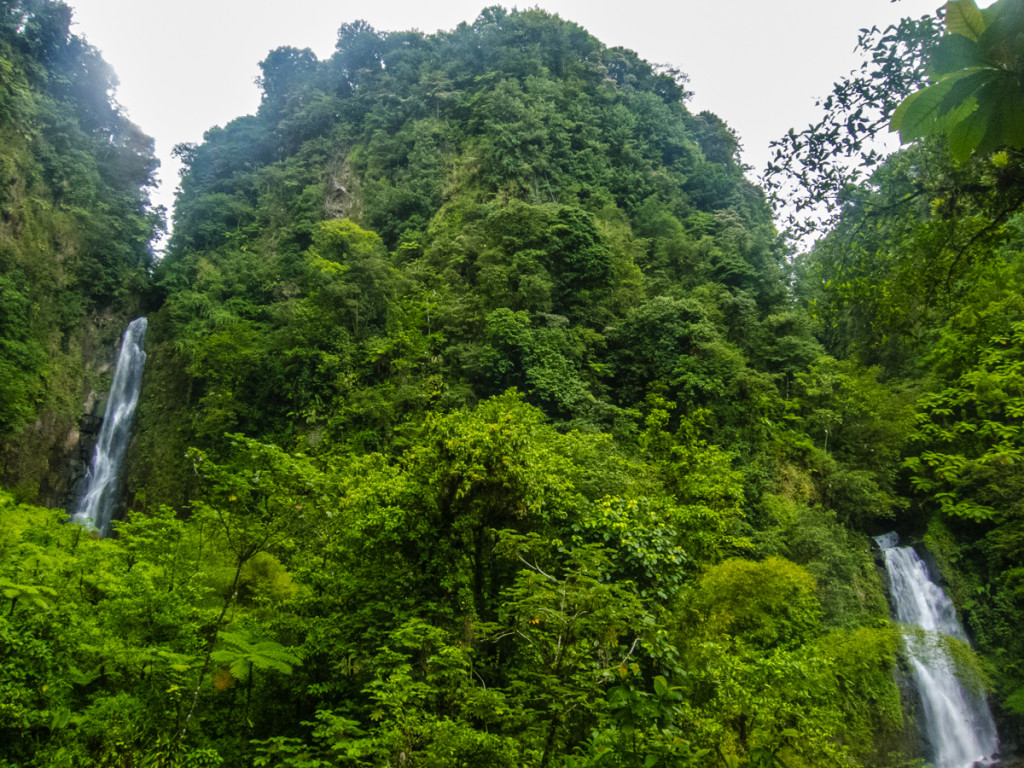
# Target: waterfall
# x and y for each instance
(956, 722)
(103, 480)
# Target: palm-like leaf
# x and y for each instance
(241, 652)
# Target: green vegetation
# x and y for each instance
(75, 228)
(922, 277)
(974, 97)
(489, 421)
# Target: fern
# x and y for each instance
(243, 653)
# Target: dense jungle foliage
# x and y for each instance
(75, 228)
(489, 421)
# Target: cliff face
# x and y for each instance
(46, 459)
(75, 228)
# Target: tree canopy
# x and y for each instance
(488, 419)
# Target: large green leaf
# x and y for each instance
(1008, 113)
(966, 134)
(918, 115)
(963, 17)
(955, 52)
(962, 99)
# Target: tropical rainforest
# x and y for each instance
(491, 416)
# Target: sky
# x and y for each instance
(187, 65)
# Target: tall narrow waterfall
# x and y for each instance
(103, 481)
(956, 722)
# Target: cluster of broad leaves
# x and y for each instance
(974, 96)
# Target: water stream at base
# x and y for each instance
(103, 480)
(957, 723)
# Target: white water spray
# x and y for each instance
(956, 722)
(103, 480)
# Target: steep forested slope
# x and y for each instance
(75, 229)
(923, 277)
(509, 204)
(480, 427)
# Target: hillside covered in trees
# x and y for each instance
(489, 420)
(75, 229)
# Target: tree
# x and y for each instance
(975, 95)
(242, 653)
(570, 630)
(760, 686)
(347, 267)
(812, 170)
(971, 434)
(260, 501)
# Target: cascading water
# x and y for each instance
(956, 722)
(96, 506)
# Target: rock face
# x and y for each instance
(34, 464)
(45, 462)
(78, 454)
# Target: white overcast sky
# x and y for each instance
(187, 65)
